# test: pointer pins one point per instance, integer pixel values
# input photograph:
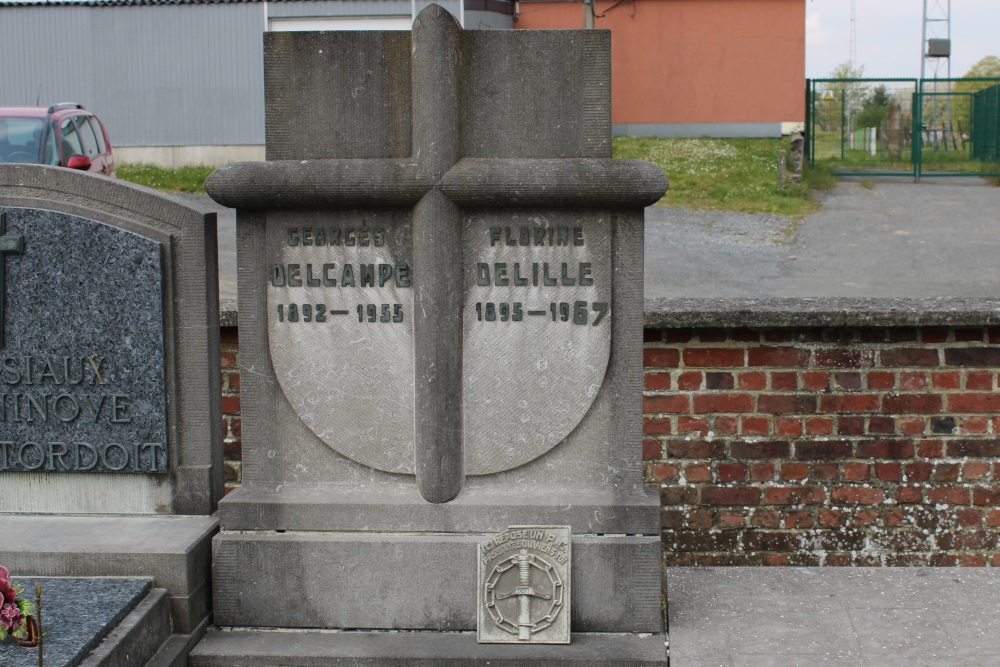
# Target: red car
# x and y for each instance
(62, 135)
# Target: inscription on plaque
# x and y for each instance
(524, 586)
(81, 362)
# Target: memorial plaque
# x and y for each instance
(524, 586)
(82, 377)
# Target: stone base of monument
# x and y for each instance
(94, 622)
(172, 551)
(224, 648)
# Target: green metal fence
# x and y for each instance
(904, 127)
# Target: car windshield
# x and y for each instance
(20, 139)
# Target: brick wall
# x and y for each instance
(835, 446)
(231, 444)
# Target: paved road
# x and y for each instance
(938, 238)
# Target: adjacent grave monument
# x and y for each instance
(110, 443)
(440, 301)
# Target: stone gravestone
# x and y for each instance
(440, 302)
(110, 443)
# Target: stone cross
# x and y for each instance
(8, 243)
(438, 180)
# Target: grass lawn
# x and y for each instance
(727, 174)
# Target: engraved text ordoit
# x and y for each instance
(536, 330)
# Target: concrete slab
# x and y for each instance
(760, 616)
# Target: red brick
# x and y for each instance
(786, 403)
(893, 518)
(881, 425)
(856, 472)
(819, 425)
(233, 380)
(761, 472)
(754, 425)
(845, 358)
(778, 357)
(760, 450)
(745, 335)
(975, 470)
(753, 380)
(236, 427)
(847, 381)
(790, 471)
(759, 540)
(945, 472)
(866, 517)
(824, 471)
(228, 360)
(651, 448)
(915, 356)
(889, 448)
(831, 449)
(229, 335)
(986, 495)
(979, 379)
(946, 380)
(911, 425)
(677, 335)
(659, 357)
(784, 381)
(816, 381)
(930, 449)
(730, 495)
(954, 495)
(689, 380)
(968, 517)
(652, 335)
(712, 335)
(848, 403)
(799, 519)
(732, 472)
(981, 449)
(787, 426)
(232, 450)
(727, 402)
(698, 472)
(689, 424)
(695, 449)
(934, 335)
(975, 425)
(794, 495)
(701, 518)
(766, 518)
(713, 357)
(920, 404)
(881, 380)
(230, 405)
(970, 560)
(678, 495)
(778, 335)
(919, 471)
(719, 381)
(672, 518)
(656, 381)
(729, 519)
(230, 472)
(858, 495)
(777, 560)
(993, 519)
(909, 494)
(664, 472)
(888, 471)
(851, 425)
(673, 403)
(725, 425)
(912, 380)
(830, 518)
(656, 426)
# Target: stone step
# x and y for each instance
(137, 638)
(262, 648)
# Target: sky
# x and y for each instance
(889, 34)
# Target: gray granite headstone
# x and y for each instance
(440, 327)
(77, 614)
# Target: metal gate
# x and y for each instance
(904, 127)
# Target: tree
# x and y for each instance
(841, 95)
(874, 108)
(961, 109)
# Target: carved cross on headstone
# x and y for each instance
(8, 243)
(443, 170)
